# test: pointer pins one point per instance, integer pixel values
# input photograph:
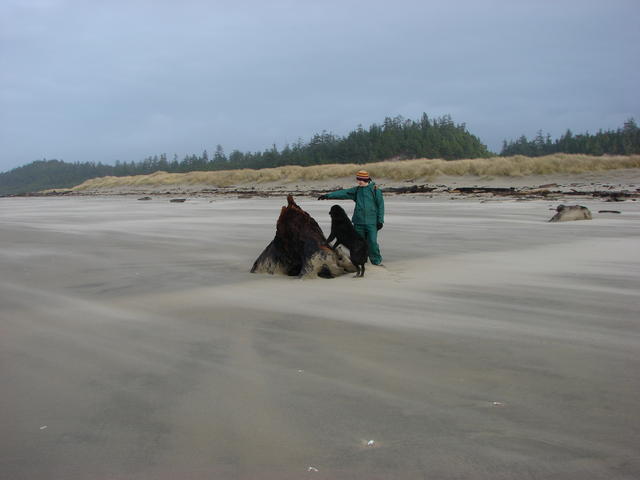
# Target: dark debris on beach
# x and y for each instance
(608, 193)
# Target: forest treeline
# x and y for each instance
(623, 141)
(395, 138)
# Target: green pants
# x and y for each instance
(370, 234)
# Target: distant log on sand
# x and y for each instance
(568, 213)
(300, 248)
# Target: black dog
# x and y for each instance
(344, 233)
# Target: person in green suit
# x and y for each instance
(368, 214)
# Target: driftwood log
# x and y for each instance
(300, 248)
(568, 213)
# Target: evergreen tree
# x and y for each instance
(219, 156)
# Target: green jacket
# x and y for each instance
(369, 203)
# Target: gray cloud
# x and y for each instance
(100, 81)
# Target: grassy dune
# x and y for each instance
(419, 169)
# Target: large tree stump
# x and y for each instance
(300, 248)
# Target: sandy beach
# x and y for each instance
(135, 344)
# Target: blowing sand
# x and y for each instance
(134, 344)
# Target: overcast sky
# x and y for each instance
(121, 80)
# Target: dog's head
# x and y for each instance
(337, 212)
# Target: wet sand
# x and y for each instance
(134, 344)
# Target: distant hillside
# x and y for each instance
(46, 174)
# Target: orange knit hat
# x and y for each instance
(363, 175)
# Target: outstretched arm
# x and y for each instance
(346, 194)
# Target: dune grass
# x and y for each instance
(419, 169)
